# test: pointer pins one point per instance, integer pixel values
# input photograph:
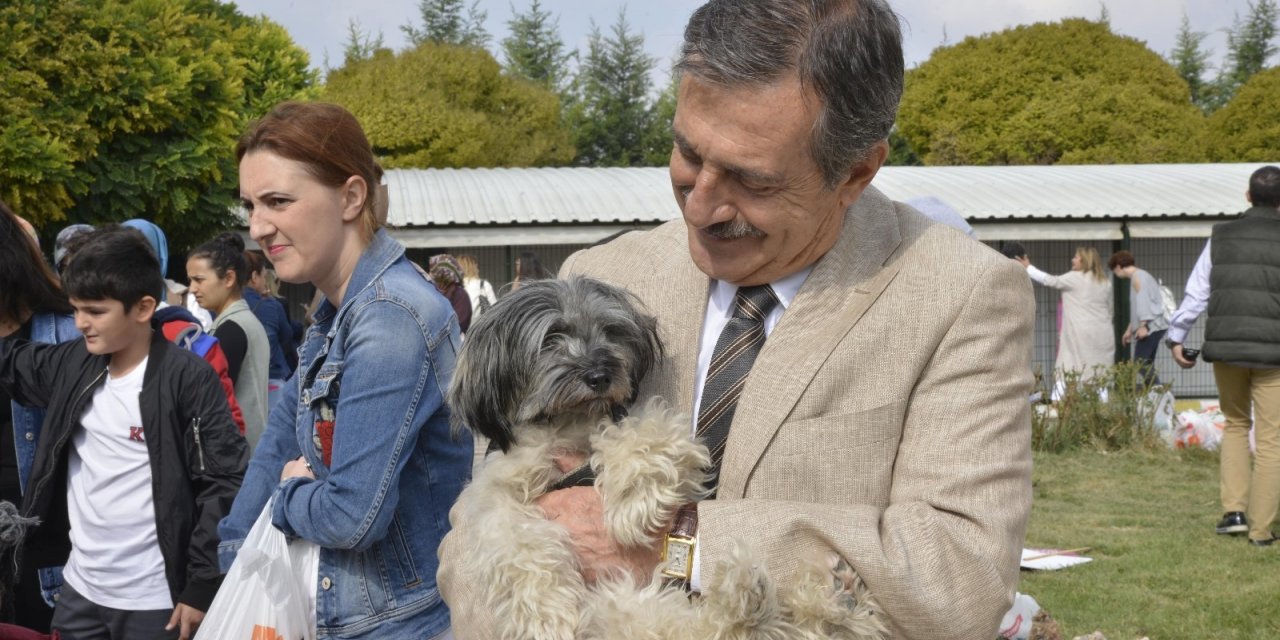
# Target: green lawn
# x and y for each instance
(1159, 570)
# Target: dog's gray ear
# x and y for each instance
(648, 349)
(489, 377)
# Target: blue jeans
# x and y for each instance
(1144, 352)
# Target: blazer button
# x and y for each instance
(30, 436)
(326, 583)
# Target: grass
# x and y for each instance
(1159, 570)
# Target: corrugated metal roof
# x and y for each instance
(1077, 191)
(471, 197)
(420, 197)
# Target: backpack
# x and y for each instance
(483, 302)
(1169, 302)
(192, 337)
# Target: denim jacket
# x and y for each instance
(49, 328)
(371, 373)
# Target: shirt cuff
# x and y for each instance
(695, 576)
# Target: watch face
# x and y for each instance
(677, 559)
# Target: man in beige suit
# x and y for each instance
(886, 415)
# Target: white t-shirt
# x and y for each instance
(115, 553)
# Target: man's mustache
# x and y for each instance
(735, 229)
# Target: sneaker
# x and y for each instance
(1233, 523)
(1265, 542)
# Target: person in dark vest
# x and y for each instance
(1234, 278)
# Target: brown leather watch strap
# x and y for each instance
(685, 522)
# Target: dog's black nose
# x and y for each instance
(597, 380)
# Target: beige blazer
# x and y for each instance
(886, 417)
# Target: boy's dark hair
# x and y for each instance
(115, 263)
(225, 253)
(1120, 259)
(1013, 250)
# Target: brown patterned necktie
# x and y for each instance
(735, 351)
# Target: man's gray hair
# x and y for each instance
(847, 53)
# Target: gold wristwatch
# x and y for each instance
(677, 550)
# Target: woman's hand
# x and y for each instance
(298, 468)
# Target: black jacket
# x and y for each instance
(197, 456)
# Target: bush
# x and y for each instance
(1083, 418)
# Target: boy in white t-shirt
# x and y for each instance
(138, 457)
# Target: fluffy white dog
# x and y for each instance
(551, 368)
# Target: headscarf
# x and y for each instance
(155, 235)
(159, 244)
(445, 271)
(65, 237)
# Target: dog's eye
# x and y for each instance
(554, 335)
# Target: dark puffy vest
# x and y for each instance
(1244, 290)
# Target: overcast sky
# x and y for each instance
(320, 26)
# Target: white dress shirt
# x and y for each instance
(1194, 300)
(719, 311)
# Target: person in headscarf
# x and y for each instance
(66, 244)
(446, 274)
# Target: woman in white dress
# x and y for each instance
(1087, 342)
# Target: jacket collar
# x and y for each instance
(376, 259)
(1262, 212)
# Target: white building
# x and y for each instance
(1162, 213)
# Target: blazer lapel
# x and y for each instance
(839, 290)
(679, 297)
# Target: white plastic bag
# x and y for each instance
(265, 595)
(1199, 428)
(1017, 623)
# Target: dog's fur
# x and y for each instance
(546, 370)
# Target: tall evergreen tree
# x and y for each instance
(534, 50)
(360, 44)
(1250, 43)
(444, 22)
(659, 142)
(1191, 60)
(610, 111)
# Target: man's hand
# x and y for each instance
(1181, 359)
(1128, 334)
(1143, 332)
(1023, 260)
(580, 511)
(298, 468)
(186, 619)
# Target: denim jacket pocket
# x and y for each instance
(324, 385)
(398, 547)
